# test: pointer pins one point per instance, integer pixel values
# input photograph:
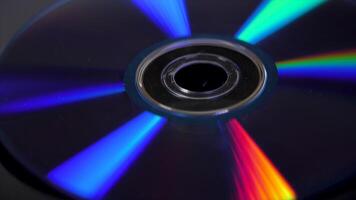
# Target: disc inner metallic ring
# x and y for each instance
(230, 69)
(156, 83)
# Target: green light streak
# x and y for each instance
(273, 15)
(348, 60)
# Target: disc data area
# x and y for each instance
(182, 99)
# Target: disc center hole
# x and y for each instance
(200, 77)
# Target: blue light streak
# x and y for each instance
(339, 66)
(272, 15)
(92, 172)
(340, 73)
(169, 15)
(60, 98)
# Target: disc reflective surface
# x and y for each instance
(66, 116)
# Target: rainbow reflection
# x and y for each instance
(60, 98)
(169, 15)
(91, 173)
(255, 176)
(272, 15)
(336, 66)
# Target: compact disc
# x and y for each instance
(175, 99)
